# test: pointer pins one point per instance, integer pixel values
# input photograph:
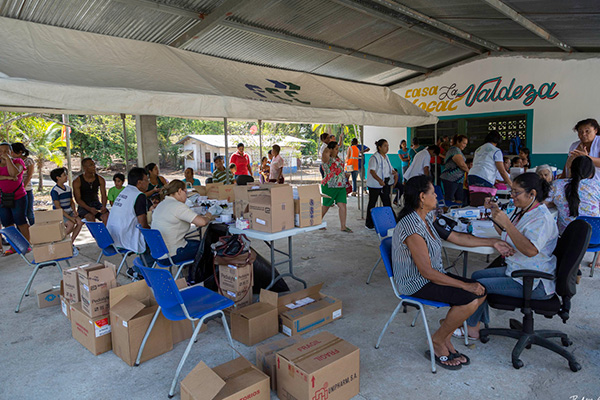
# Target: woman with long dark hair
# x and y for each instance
(578, 195)
(533, 233)
(418, 268)
(13, 200)
(380, 179)
(157, 181)
(19, 150)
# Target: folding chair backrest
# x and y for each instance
(100, 233)
(383, 219)
(16, 239)
(386, 255)
(569, 252)
(155, 242)
(595, 223)
(163, 286)
(439, 193)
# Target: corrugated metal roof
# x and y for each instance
(368, 26)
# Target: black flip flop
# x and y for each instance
(458, 355)
(440, 361)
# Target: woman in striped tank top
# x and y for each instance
(419, 271)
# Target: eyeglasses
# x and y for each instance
(515, 193)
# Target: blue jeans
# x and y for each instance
(354, 181)
(15, 215)
(474, 180)
(495, 281)
(186, 253)
(29, 209)
(453, 191)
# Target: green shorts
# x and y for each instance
(338, 195)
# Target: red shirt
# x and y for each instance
(241, 163)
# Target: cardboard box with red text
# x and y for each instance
(306, 310)
(266, 356)
(320, 367)
(307, 207)
(219, 191)
(95, 282)
(271, 208)
(234, 380)
(259, 321)
(92, 333)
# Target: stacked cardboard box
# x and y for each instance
(95, 282)
(266, 356)
(234, 380)
(47, 237)
(69, 290)
(307, 206)
(320, 367)
(92, 332)
(271, 208)
(236, 277)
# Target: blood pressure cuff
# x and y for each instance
(444, 226)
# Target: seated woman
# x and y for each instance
(578, 195)
(419, 272)
(545, 172)
(532, 231)
(173, 219)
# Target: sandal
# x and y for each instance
(460, 333)
(458, 355)
(347, 230)
(9, 252)
(441, 360)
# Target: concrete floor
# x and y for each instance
(40, 359)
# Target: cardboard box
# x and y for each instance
(307, 208)
(92, 333)
(48, 295)
(234, 380)
(241, 299)
(236, 279)
(259, 321)
(130, 320)
(272, 208)
(320, 367)
(52, 251)
(70, 283)
(201, 190)
(42, 217)
(219, 191)
(95, 281)
(266, 356)
(47, 233)
(65, 303)
(306, 310)
(240, 204)
(180, 330)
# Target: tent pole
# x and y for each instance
(125, 143)
(435, 139)
(361, 193)
(65, 119)
(227, 171)
(260, 139)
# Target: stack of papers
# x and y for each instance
(300, 303)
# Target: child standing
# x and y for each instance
(62, 197)
(113, 192)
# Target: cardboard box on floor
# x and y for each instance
(306, 310)
(235, 380)
(52, 251)
(65, 303)
(259, 321)
(42, 217)
(48, 232)
(272, 208)
(219, 191)
(320, 367)
(92, 333)
(48, 295)
(307, 208)
(130, 321)
(180, 330)
(266, 356)
(70, 283)
(95, 282)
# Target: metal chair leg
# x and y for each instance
(373, 270)
(148, 331)
(26, 289)
(123, 262)
(429, 340)
(389, 321)
(100, 257)
(593, 264)
(226, 327)
(466, 328)
(414, 321)
(181, 268)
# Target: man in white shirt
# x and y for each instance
(421, 163)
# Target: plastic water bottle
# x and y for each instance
(511, 207)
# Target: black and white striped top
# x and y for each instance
(407, 276)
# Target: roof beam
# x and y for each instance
(161, 7)
(409, 12)
(208, 22)
(528, 24)
(322, 46)
(406, 24)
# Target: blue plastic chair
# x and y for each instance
(159, 251)
(195, 303)
(594, 245)
(106, 243)
(384, 219)
(386, 255)
(21, 246)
